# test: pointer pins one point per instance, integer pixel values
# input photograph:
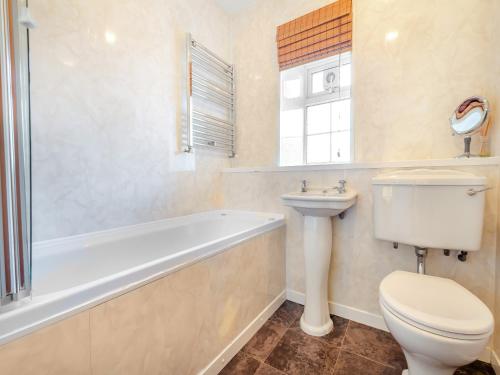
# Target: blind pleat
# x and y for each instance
(324, 32)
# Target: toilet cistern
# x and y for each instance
(318, 205)
(427, 208)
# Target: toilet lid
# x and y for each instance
(439, 304)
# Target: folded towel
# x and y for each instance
(468, 106)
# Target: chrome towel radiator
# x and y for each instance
(210, 101)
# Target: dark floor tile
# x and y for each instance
(288, 313)
(373, 344)
(241, 364)
(268, 370)
(265, 340)
(298, 353)
(352, 364)
(476, 368)
(335, 337)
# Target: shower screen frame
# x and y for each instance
(15, 173)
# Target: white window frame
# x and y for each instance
(308, 99)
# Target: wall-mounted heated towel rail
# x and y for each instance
(210, 101)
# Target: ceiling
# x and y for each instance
(234, 6)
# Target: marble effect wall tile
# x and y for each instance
(257, 79)
(106, 93)
(404, 90)
(359, 261)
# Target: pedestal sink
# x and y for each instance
(318, 207)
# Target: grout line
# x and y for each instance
(360, 355)
(280, 336)
(262, 362)
(345, 334)
(369, 359)
(340, 350)
(337, 360)
(277, 342)
(250, 355)
(340, 347)
(274, 368)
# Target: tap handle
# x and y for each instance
(304, 185)
(342, 183)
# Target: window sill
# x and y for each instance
(494, 160)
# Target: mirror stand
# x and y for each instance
(467, 154)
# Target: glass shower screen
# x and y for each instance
(15, 226)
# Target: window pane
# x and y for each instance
(317, 83)
(341, 115)
(326, 81)
(292, 88)
(291, 151)
(341, 146)
(345, 75)
(292, 123)
(318, 119)
(318, 148)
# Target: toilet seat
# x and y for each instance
(437, 305)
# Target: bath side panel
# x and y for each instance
(179, 324)
(59, 349)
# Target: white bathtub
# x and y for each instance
(76, 273)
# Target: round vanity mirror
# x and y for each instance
(469, 118)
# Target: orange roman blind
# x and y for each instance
(324, 32)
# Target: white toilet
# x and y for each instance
(439, 324)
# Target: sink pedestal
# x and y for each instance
(318, 207)
(316, 320)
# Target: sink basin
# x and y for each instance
(318, 206)
(320, 202)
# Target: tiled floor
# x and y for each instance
(280, 347)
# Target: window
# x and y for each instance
(315, 117)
